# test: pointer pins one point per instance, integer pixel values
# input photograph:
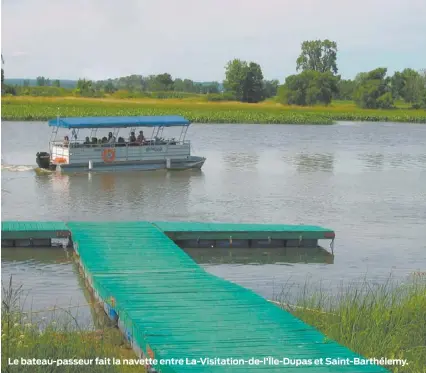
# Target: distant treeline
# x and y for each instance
(133, 84)
(64, 83)
(317, 82)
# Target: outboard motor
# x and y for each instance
(43, 160)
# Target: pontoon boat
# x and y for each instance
(115, 153)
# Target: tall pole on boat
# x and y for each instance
(186, 130)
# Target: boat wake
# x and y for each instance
(16, 168)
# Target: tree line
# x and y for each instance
(317, 82)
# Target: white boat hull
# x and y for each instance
(87, 158)
(191, 162)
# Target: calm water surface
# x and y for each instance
(367, 181)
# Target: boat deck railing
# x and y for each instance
(151, 142)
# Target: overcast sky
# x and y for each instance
(194, 39)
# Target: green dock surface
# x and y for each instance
(175, 309)
(33, 226)
(226, 227)
(187, 230)
(33, 229)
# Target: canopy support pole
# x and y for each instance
(186, 130)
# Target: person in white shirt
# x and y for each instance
(111, 138)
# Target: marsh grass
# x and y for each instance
(387, 320)
(24, 337)
(199, 111)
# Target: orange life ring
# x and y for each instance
(108, 155)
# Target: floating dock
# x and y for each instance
(168, 307)
(194, 235)
(32, 234)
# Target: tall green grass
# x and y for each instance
(26, 336)
(376, 321)
(198, 111)
(162, 95)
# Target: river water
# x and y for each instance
(367, 181)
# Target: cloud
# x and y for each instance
(195, 39)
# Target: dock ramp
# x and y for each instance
(170, 308)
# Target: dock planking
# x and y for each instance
(168, 307)
(185, 234)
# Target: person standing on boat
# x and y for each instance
(111, 138)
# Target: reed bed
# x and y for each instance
(198, 111)
(27, 336)
(376, 321)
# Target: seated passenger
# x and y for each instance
(121, 142)
(111, 138)
(94, 140)
(66, 141)
(87, 141)
(141, 138)
(132, 138)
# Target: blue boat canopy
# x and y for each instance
(120, 122)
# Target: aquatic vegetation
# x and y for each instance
(373, 320)
(198, 111)
(26, 336)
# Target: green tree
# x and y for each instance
(253, 85)
(86, 88)
(346, 90)
(2, 71)
(270, 88)
(5, 88)
(109, 87)
(235, 78)
(318, 55)
(308, 88)
(244, 81)
(56, 83)
(408, 85)
(397, 84)
(164, 81)
(149, 83)
(178, 85)
(26, 83)
(41, 81)
(373, 90)
(188, 85)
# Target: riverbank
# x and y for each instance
(25, 108)
(64, 345)
(376, 321)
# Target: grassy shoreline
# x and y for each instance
(374, 321)
(25, 335)
(25, 108)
